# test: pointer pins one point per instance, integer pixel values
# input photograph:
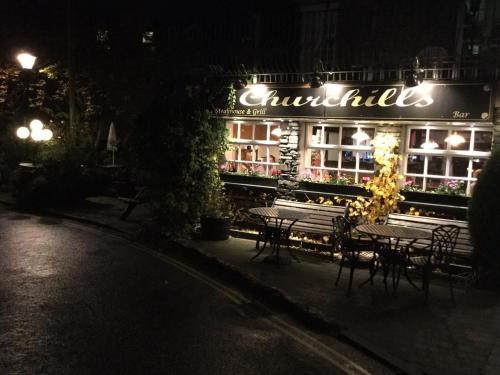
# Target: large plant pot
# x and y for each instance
(215, 228)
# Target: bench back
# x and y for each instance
(463, 248)
(320, 216)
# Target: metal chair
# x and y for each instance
(437, 255)
(356, 252)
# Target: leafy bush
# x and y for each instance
(384, 185)
(484, 224)
(180, 142)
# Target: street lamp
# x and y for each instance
(26, 60)
(37, 132)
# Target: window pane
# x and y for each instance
(348, 160)
(464, 145)
(247, 153)
(366, 161)
(415, 164)
(438, 136)
(231, 153)
(246, 132)
(275, 132)
(482, 141)
(433, 183)
(232, 130)
(476, 165)
(417, 137)
(332, 136)
(347, 136)
(260, 132)
(273, 154)
(436, 165)
(315, 160)
(371, 134)
(316, 135)
(331, 158)
(458, 166)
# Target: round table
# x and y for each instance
(394, 231)
(276, 233)
(394, 257)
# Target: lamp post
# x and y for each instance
(26, 60)
(36, 130)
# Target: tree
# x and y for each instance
(176, 146)
(384, 186)
(484, 224)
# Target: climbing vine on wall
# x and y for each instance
(231, 97)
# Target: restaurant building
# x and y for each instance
(321, 131)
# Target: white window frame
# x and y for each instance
(255, 144)
(447, 153)
(322, 147)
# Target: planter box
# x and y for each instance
(344, 190)
(437, 199)
(446, 206)
(249, 180)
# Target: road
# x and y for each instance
(75, 299)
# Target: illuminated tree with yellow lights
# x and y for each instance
(384, 186)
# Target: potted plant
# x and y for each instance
(215, 222)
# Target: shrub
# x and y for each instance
(384, 185)
(484, 224)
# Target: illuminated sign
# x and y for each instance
(471, 102)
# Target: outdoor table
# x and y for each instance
(275, 231)
(392, 254)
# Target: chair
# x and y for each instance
(356, 252)
(437, 255)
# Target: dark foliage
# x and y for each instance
(484, 223)
(176, 145)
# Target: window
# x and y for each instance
(253, 148)
(441, 156)
(336, 151)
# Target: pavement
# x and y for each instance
(413, 337)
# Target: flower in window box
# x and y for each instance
(306, 175)
(450, 187)
(410, 185)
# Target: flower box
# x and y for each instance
(343, 190)
(437, 199)
(241, 179)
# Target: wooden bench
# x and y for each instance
(463, 249)
(137, 199)
(320, 216)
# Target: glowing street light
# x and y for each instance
(26, 60)
(23, 132)
(37, 132)
(37, 135)
(36, 125)
(47, 134)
